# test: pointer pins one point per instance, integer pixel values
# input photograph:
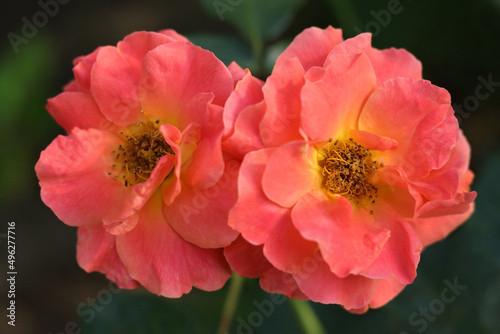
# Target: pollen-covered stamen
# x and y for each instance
(136, 158)
(347, 169)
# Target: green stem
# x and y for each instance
(253, 32)
(230, 304)
(307, 318)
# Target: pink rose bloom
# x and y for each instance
(142, 172)
(353, 165)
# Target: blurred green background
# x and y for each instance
(457, 42)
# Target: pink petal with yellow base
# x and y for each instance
(173, 74)
(333, 97)
(285, 184)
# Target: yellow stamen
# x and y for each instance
(347, 171)
(143, 147)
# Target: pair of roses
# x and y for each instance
(326, 181)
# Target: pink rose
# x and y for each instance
(141, 171)
(353, 164)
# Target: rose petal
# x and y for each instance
(96, 251)
(74, 181)
(165, 263)
(394, 63)
(174, 35)
(286, 183)
(114, 87)
(387, 64)
(81, 70)
(321, 285)
(433, 229)
(339, 231)
(248, 91)
(206, 164)
(173, 74)
(281, 121)
(255, 227)
(421, 121)
(387, 290)
(200, 215)
(142, 191)
(136, 45)
(401, 253)
(331, 103)
(287, 249)
(246, 137)
(237, 72)
(249, 261)
(311, 46)
(75, 109)
(373, 141)
(444, 183)
(458, 205)
(171, 186)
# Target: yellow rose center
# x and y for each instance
(136, 158)
(347, 170)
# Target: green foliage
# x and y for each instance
(226, 48)
(135, 312)
(23, 92)
(257, 20)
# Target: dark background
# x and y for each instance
(457, 42)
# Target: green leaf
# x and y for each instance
(226, 48)
(345, 13)
(272, 53)
(257, 20)
(138, 311)
(21, 76)
(24, 122)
